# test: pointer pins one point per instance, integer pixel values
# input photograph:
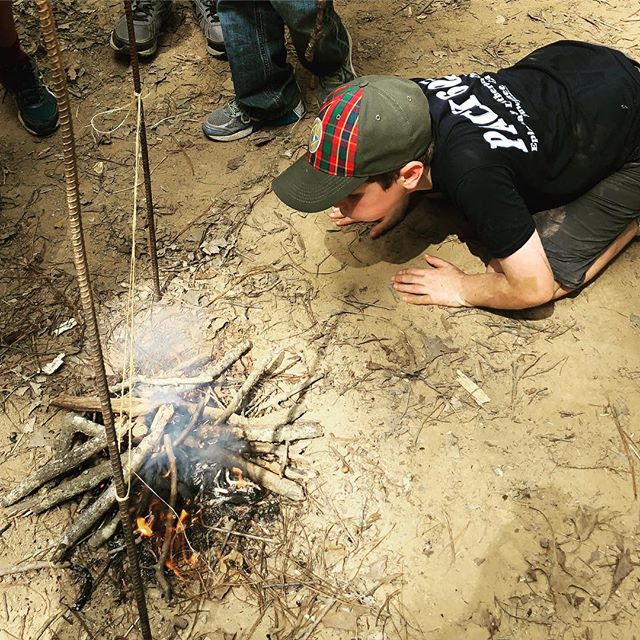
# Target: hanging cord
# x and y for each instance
(107, 112)
(92, 334)
(128, 359)
(137, 89)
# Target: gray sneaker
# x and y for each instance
(148, 16)
(231, 123)
(345, 73)
(207, 16)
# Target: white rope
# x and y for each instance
(128, 361)
(107, 112)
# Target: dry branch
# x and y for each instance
(265, 429)
(84, 482)
(32, 566)
(271, 428)
(80, 404)
(105, 533)
(285, 395)
(89, 517)
(73, 424)
(247, 385)
(206, 377)
(268, 479)
(55, 468)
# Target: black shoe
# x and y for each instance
(209, 22)
(148, 16)
(37, 106)
(346, 73)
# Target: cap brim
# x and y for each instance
(306, 189)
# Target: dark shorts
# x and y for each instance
(574, 235)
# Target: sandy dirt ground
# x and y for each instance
(430, 515)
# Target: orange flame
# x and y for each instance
(180, 524)
(193, 559)
(143, 528)
(172, 567)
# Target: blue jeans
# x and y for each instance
(254, 39)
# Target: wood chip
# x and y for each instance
(472, 388)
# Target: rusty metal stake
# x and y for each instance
(151, 225)
(86, 296)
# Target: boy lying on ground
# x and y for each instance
(542, 158)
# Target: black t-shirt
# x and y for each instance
(533, 136)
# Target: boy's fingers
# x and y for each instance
(384, 225)
(408, 278)
(410, 272)
(435, 261)
(423, 299)
(410, 288)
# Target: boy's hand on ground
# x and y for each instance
(441, 285)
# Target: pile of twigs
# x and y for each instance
(259, 446)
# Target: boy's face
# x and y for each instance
(370, 202)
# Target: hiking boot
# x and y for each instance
(209, 22)
(148, 16)
(37, 106)
(231, 123)
(345, 73)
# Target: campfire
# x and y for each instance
(194, 464)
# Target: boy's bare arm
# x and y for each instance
(524, 280)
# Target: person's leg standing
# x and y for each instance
(332, 46)
(331, 59)
(19, 74)
(265, 88)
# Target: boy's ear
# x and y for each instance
(410, 174)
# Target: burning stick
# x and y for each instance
(169, 528)
(271, 428)
(266, 478)
(89, 517)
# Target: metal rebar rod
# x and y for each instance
(137, 87)
(82, 271)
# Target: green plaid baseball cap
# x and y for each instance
(366, 127)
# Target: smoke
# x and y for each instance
(166, 341)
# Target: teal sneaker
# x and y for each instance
(37, 106)
(231, 123)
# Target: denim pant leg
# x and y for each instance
(332, 47)
(254, 39)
